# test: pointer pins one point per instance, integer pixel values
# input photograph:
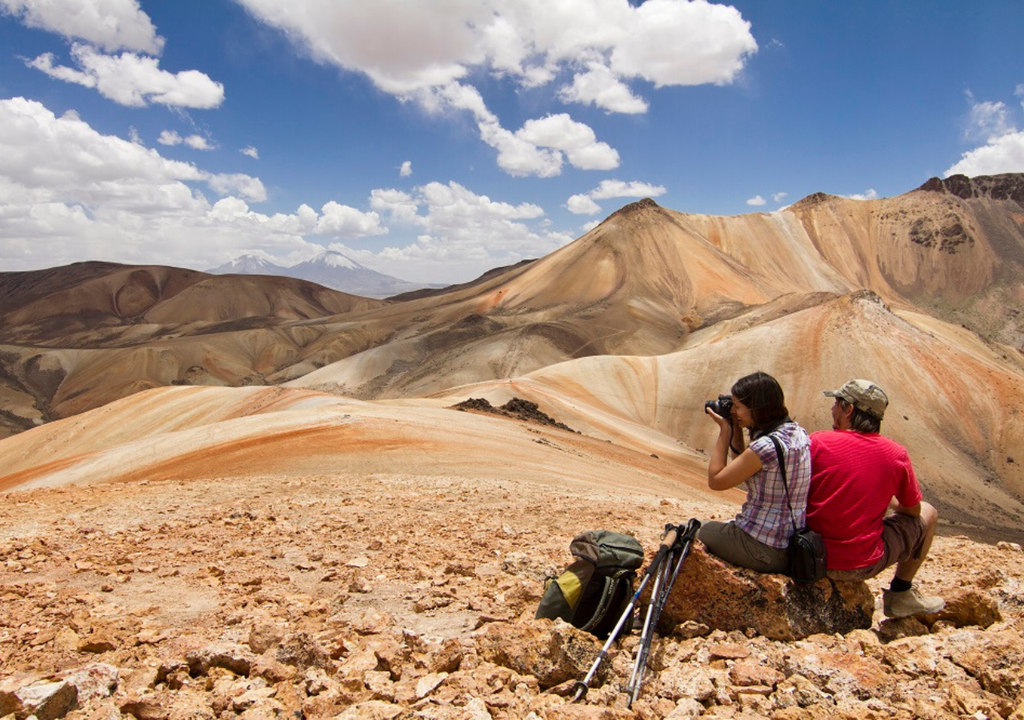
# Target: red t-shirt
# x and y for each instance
(854, 476)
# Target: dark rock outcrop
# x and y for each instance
(1009, 186)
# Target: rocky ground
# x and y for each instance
(394, 596)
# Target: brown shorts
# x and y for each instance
(902, 535)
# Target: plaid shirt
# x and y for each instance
(765, 515)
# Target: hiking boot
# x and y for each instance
(909, 602)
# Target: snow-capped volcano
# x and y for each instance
(249, 265)
(331, 269)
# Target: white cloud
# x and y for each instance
(779, 196)
(869, 194)
(406, 169)
(582, 205)
(250, 151)
(134, 80)
(346, 222)
(410, 45)
(69, 193)
(619, 189)
(110, 24)
(196, 142)
(1003, 151)
(599, 86)
(430, 52)
(576, 140)
(988, 120)
(1001, 155)
(457, 226)
(169, 137)
(757, 201)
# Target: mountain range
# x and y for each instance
(331, 269)
(620, 335)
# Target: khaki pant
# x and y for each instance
(727, 541)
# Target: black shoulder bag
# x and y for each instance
(806, 549)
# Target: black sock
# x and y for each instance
(898, 585)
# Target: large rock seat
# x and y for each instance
(723, 596)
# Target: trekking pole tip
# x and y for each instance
(579, 691)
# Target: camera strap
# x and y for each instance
(782, 469)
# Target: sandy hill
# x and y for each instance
(77, 337)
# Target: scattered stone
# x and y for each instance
(47, 700)
(551, 651)
(967, 607)
(98, 680)
(227, 656)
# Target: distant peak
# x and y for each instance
(636, 206)
(1009, 186)
(333, 258)
(814, 199)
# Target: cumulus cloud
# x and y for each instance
(109, 24)
(1003, 151)
(988, 120)
(779, 196)
(869, 194)
(430, 52)
(599, 86)
(456, 226)
(584, 204)
(343, 221)
(757, 201)
(409, 45)
(406, 169)
(196, 142)
(576, 140)
(1001, 155)
(619, 189)
(133, 80)
(69, 193)
(250, 151)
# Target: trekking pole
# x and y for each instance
(645, 633)
(581, 686)
(659, 596)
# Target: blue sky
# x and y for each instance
(436, 139)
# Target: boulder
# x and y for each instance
(722, 596)
(965, 608)
(48, 700)
(552, 651)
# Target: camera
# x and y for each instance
(721, 407)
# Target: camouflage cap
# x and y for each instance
(863, 395)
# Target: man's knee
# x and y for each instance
(929, 515)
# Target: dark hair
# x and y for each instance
(763, 395)
(861, 421)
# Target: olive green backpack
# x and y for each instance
(596, 588)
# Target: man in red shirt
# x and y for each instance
(857, 476)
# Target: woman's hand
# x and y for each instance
(723, 474)
(722, 422)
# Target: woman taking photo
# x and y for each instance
(758, 536)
